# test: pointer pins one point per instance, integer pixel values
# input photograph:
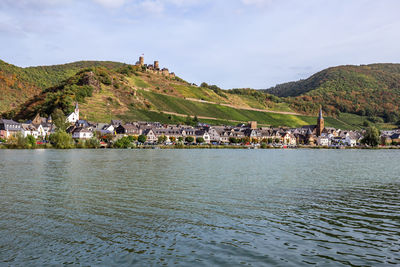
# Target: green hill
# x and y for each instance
(107, 90)
(366, 90)
(131, 93)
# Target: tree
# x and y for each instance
(123, 142)
(19, 142)
(264, 145)
(180, 139)
(366, 124)
(188, 120)
(142, 139)
(162, 139)
(233, 140)
(371, 137)
(277, 140)
(189, 139)
(246, 140)
(60, 120)
(92, 143)
(31, 141)
(203, 84)
(107, 137)
(61, 140)
(199, 140)
(172, 139)
(195, 120)
(132, 138)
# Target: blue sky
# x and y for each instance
(231, 43)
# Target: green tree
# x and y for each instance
(142, 139)
(199, 140)
(189, 139)
(233, 140)
(132, 138)
(367, 124)
(371, 137)
(180, 139)
(123, 142)
(204, 84)
(188, 120)
(162, 139)
(92, 143)
(195, 120)
(31, 141)
(264, 145)
(20, 141)
(60, 120)
(61, 140)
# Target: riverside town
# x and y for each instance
(41, 133)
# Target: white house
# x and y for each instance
(151, 136)
(323, 141)
(289, 139)
(82, 133)
(74, 116)
(215, 134)
(29, 129)
(350, 141)
(203, 134)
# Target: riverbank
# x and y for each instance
(49, 146)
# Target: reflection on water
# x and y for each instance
(199, 207)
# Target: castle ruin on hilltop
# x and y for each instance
(155, 68)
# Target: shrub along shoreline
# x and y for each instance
(63, 140)
(180, 146)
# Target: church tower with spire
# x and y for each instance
(74, 116)
(320, 123)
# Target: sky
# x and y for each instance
(230, 43)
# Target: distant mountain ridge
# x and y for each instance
(370, 90)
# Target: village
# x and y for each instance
(154, 133)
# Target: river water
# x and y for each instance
(200, 207)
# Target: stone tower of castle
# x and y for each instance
(141, 60)
(156, 65)
(320, 123)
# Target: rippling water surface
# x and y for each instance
(200, 207)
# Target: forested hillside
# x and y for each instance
(19, 84)
(367, 90)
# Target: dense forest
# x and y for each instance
(366, 90)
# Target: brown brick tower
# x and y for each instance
(320, 123)
(156, 65)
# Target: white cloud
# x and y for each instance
(110, 3)
(152, 6)
(257, 2)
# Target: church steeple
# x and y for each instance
(320, 123)
(320, 114)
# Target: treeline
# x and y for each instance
(214, 88)
(368, 90)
